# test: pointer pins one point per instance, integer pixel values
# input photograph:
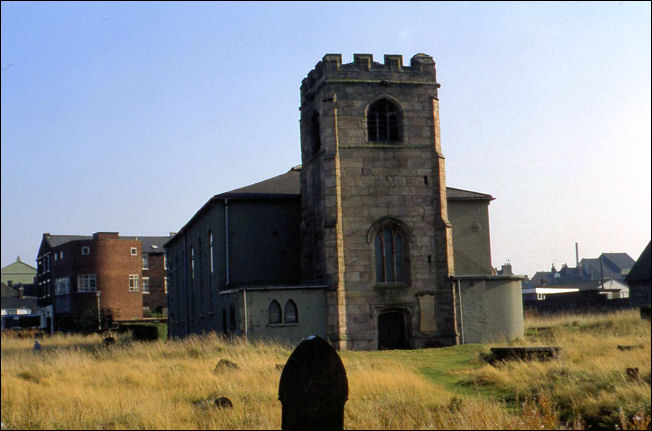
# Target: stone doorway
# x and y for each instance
(392, 332)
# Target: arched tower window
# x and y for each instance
(274, 312)
(315, 138)
(384, 121)
(290, 312)
(390, 252)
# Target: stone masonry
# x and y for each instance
(348, 183)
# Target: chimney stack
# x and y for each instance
(577, 256)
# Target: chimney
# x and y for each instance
(577, 256)
(506, 269)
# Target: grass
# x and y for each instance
(75, 383)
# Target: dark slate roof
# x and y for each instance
(151, 244)
(11, 302)
(287, 184)
(642, 268)
(57, 240)
(9, 291)
(147, 241)
(621, 260)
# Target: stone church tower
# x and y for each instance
(374, 224)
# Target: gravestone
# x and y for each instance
(313, 387)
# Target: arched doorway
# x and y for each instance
(391, 330)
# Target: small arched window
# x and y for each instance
(290, 312)
(274, 312)
(390, 255)
(315, 138)
(384, 121)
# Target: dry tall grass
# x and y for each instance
(74, 383)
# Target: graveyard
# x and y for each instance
(599, 378)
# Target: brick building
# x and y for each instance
(363, 244)
(126, 275)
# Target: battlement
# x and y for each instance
(364, 68)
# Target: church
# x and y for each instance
(362, 244)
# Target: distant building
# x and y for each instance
(126, 275)
(18, 310)
(18, 273)
(577, 294)
(607, 266)
(639, 279)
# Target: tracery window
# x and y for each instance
(384, 121)
(390, 255)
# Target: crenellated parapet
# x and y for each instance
(364, 69)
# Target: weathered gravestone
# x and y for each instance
(313, 387)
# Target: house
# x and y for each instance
(363, 244)
(19, 310)
(607, 266)
(18, 273)
(639, 279)
(574, 294)
(77, 275)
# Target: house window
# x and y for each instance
(134, 251)
(133, 283)
(274, 312)
(145, 261)
(62, 286)
(85, 250)
(55, 256)
(165, 284)
(86, 283)
(165, 262)
(290, 312)
(145, 284)
(384, 121)
(390, 255)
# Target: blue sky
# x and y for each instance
(129, 116)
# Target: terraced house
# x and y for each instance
(362, 244)
(120, 276)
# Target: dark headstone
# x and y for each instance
(225, 363)
(108, 341)
(632, 374)
(637, 346)
(223, 403)
(525, 353)
(313, 387)
(37, 346)
(217, 403)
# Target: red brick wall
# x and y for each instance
(114, 263)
